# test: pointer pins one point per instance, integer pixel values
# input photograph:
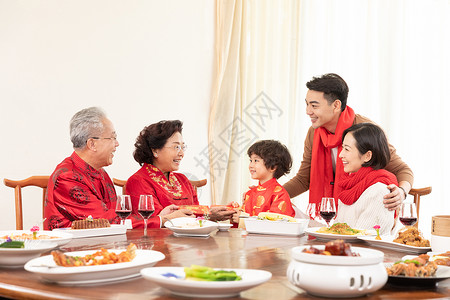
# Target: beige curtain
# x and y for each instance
(255, 94)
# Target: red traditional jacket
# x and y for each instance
(75, 191)
(268, 197)
(149, 180)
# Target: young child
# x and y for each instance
(269, 160)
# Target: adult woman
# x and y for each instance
(159, 150)
(365, 152)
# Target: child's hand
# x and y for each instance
(235, 218)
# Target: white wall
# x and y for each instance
(142, 61)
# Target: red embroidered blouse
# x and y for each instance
(149, 180)
(268, 197)
(75, 191)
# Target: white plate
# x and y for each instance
(47, 269)
(81, 233)
(387, 242)
(16, 257)
(442, 273)
(253, 225)
(329, 236)
(224, 226)
(205, 230)
(366, 256)
(205, 289)
(61, 238)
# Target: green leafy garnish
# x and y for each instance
(407, 261)
(209, 274)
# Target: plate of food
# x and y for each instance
(17, 253)
(186, 226)
(409, 240)
(273, 223)
(416, 271)
(60, 238)
(90, 227)
(93, 266)
(441, 259)
(90, 232)
(204, 282)
(339, 231)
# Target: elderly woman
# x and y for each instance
(365, 153)
(79, 186)
(159, 150)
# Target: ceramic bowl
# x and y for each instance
(337, 276)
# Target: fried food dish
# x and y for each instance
(412, 237)
(341, 228)
(442, 259)
(417, 267)
(101, 257)
(337, 248)
(90, 223)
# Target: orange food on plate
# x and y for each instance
(196, 209)
(101, 257)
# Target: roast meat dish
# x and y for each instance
(412, 237)
(336, 247)
(417, 267)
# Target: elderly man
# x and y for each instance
(79, 186)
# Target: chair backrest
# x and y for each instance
(17, 185)
(123, 183)
(120, 183)
(417, 193)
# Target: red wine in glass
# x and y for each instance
(146, 213)
(408, 221)
(327, 209)
(123, 207)
(327, 215)
(146, 209)
(123, 214)
(408, 214)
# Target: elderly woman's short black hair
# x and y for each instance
(370, 137)
(274, 154)
(154, 136)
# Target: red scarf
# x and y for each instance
(322, 183)
(353, 185)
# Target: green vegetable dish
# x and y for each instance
(12, 244)
(209, 274)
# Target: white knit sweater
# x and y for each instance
(368, 210)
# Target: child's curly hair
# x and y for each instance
(274, 154)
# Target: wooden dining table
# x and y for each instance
(228, 249)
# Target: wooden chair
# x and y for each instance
(123, 184)
(39, 181)
(417, 193)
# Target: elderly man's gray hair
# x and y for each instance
(85, 124)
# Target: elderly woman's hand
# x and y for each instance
(394, 199)
(168, 210)
(220, 213)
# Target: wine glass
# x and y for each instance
(123, 207)
(146, 209)
(408, 213)
(327, 209)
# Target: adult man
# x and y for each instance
(79, 186)
(326, 105)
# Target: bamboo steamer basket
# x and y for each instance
(440, 233)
